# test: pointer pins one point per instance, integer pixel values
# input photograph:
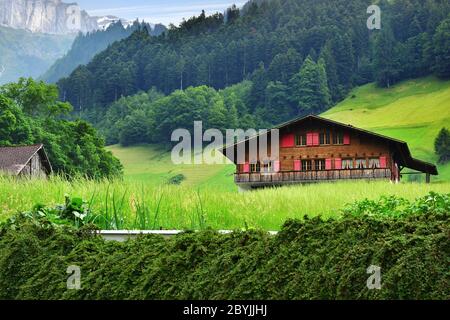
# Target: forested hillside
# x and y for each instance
(301, 56)
(86, 46)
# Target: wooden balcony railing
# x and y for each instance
(310, 176)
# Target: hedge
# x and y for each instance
(308, 259)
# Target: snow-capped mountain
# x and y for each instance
(104, 22)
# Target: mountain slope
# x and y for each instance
(296, 52)
(86, 46)
(413, 111)
(26, 54)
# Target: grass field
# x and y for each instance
(413, 111)
(139, 205)
(151, 164)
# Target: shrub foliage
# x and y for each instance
(308, 259)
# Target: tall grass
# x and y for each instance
(136, 205)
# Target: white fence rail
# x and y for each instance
(124, 235)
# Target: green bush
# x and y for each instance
(177, 180)
(308, 259)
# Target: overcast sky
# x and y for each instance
(155, 11)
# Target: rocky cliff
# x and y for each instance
(46, 16)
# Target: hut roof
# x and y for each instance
(14, 159)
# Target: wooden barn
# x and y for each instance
(314, 149)
(25, 161)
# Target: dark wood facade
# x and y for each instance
(314, 149)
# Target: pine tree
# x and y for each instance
(441, 42)
(323, 85)
(284, 66)
(278, 107)
(386, 61)
(258, 91)
(309, 87)
(330, 67)
(344, 58)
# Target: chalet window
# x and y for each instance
(312, 139)
(300, 139)
(319, 164)
(374, 163)
(306, 165)
(267, 167)
(361, 163)
(255, 167)
(324, 138)
(347, 164)
(338, 138)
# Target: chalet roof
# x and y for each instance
(405, 159)
(14, 159)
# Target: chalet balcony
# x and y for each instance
(286, 177)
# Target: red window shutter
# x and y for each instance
(383, 162)
(288, 140)
(316, 140)
(328, 164)
(246, 167)
(297, 165)
(346, 138)
(309, 139)
(276, 166)
(338, 163)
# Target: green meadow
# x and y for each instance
(138, 205)
(152, 165)
(413, 111)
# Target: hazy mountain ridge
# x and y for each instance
(51, 16)
(34, 34)
(27, 54)
(86, 46)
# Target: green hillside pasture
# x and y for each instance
(413, 111)
(139, 205)
(152, 165)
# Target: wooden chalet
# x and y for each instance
(25, 161)
(314, 149)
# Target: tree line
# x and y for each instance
(271, 62)
(30, 113)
